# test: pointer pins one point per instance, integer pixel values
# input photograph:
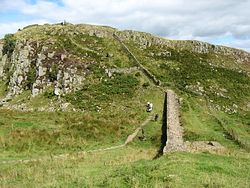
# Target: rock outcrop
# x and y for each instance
(146, 40)
(33, 66)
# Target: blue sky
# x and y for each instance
(224, 22)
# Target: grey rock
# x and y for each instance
(57, 91)
(51, 55)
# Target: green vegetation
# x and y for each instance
(3, 89)
(93, 95)
(121, 109)
(132, 167)
(9, 44)
(203, 123)
(37, 133)
(8, 72)
(195, 74)
(52, 75)
(31, 77)
(214, 93)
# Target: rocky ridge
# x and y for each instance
(37, 63)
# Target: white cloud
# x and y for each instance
(179, 19)
(242, 44)
(13, 27)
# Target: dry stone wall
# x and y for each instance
(174, 128)
(143, 69)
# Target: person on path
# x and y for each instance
(149, 106)
(156, 117)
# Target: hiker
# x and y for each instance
(149, 107)
(156, 117)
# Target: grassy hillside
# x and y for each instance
(214, 95)
(109, 116)
(214, 92)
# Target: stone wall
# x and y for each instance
(174, 130)
(143, 69)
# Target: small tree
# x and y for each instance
(9, 44)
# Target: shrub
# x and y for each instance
(53, 73)
(138, 74)
(9, 44)
(146, 84)
(49, 94)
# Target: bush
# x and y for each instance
(9, 44)
(146, 84)
(138, 74)
(49, 94)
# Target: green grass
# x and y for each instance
(200, 125)
(93, 96)
(132, 167)
(152, 136)
(28, 134)
(3, 89)
(236, 126)
(203, 123)
(182, 170)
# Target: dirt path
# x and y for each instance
(134, 134)
(80, 154)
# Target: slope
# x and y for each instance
(76, 88)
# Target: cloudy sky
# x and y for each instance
(225, 22)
